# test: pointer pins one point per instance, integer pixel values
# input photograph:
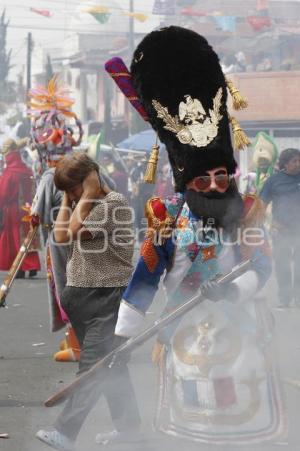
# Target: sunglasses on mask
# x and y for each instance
(218, 180)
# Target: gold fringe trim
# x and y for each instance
(150, 174)
(240, 139)
(238, 101)
(158, 230)
(149, 255)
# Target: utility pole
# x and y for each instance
(29, 54)
(131, 28)
(28, 73)
(131, 49)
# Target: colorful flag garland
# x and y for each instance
(168, 7)
(189, 11)
(41, 12)
(138, 16)
(100, 13)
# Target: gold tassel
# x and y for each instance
(239, 102)
(240, 138)
(150, 173)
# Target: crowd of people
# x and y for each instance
(218, 380)
(261, 62)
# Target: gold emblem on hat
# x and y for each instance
(194, 126)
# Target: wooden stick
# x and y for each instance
(17, 263)
(133, 343)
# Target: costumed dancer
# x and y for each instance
(264, 158)
(218, 381)
(53, 135)
(16, 190)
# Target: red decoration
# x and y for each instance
(42, 12)
(259, 22)
(159, 209)
(208, 253)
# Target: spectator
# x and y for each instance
(265, 65)
(230, 65)
(241, 61)
(117, 173)
(16, 188)
(98, 269)
(283, 190)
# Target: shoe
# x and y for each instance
(33, 273)
(20, 274)
(56, 440)
(69, 348)
(67, 355)
(104, 438)
(63, 344)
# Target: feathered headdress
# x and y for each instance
(53, 121)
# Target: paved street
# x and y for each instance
(29, 375)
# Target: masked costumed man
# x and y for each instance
(53, 135)
(218, 383)
(264, 159)
(16, 190)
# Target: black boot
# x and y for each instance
(33, 273)
(20, 274)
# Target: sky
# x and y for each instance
(47, 32)
(52, 32)
(22, 20)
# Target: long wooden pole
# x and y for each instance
(133, 343)
(24, 249)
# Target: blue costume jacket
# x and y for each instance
(189, 257)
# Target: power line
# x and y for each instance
(34, 27)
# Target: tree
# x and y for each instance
(5, 57)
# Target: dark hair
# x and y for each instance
(72, 170)
(286, 155)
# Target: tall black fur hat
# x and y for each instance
(179, 81)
